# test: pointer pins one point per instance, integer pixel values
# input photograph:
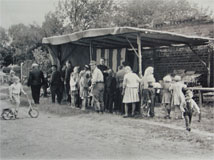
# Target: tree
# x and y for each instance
(139, 12)
(52, 25)
(42, 58)
(24, 39)
(5, 49)
(77, 15)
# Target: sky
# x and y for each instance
(33, 11)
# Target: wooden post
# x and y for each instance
(208, 69)
(22, 72)
(91, 50)
(139, 54)
(200, 98)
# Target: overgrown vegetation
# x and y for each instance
(20, 41)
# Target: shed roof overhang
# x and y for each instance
(121, 37)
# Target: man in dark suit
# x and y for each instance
(56, 84)
(35, 81)
(68, 71)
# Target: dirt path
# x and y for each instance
(94, 136)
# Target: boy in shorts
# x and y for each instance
(15, 90)
(189, 106)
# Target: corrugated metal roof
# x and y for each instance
(118, 37)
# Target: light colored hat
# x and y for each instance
(177, 78)
(167, 78)
(92, 63)
(35, 65)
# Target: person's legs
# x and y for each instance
(67, 92)
(186, 121)
(110, 107)
(37, 94)
(53, 93)
(59, 95)
(133, 108)
(126, 109)
(84, 103)
(17, 101)
(106, 102)
(73, 99)
(33, 92)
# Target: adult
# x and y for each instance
(97, 87)
(131, 84)
(119, 88)
(35, 81)
(56, 85)
(68, 71)
(103, 68)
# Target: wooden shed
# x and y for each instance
(124, 44)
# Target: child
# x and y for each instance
(14, 91)
(110, 90)
(74, 80)
(166, 95)
(188, 109)
(84, 86)
(178, 98)
(149, 96)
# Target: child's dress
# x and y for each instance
(166, 94)
(84, 85)
(178, 97)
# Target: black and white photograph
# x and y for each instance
(107, 79)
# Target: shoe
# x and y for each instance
(188, 129)
(125, 116)
(166, 117)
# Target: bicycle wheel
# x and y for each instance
(7, 114)
(34, 113)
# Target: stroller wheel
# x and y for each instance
(34, 113)
(7, 114)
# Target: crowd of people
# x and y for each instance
(97, 86)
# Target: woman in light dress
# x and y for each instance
(131, 85)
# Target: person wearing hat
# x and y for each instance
(56, 84)
(35, 81)
(189, 106)
(166, 95)
(15, 90)
(178, 98)
(97, 87)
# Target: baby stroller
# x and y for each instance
(9, 113)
